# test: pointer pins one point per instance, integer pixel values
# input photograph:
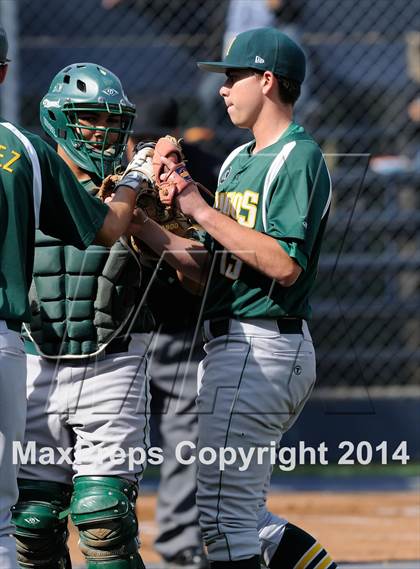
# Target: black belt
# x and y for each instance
(14, 325)
(117, 346)
(220, 327)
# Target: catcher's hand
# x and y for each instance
(139, 172)
(170, 173)
(142, 160)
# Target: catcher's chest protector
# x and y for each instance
(80, 298)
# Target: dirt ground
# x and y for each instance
(380, 526)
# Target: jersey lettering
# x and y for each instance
(224, 204)
(230, 210)
(241, 206)
(249, 204)
(236, 204)
(12, 160)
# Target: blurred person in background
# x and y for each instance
(173, 361)
(414, 116)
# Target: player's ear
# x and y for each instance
(269, 82)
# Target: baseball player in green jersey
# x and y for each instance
(260, 256)
(37, 189)
(86, 379)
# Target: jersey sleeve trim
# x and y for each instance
(271, 175)
(328, 203)
(36, 169)
(229, 159)
(292, 249)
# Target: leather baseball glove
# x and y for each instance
(169, 218)
(170, 179)
(107, 188)
(148, 197)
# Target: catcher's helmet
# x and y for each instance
(87, 87)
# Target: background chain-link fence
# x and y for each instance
(361, 102)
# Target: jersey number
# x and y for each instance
(230, 265)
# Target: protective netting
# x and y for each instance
(361, 102)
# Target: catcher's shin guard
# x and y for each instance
(299, 550)
(40, 517)
(103, 510)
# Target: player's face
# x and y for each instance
(96, 123)
(243, 96)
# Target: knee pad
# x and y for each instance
(300, 550)
(40, 518)
(103, 510)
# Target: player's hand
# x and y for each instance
(174, 180)
(191, 203)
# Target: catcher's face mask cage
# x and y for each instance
(81, 89)
(101, 155)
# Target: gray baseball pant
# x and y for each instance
(12, 428)
(173, 370)
(253, 383)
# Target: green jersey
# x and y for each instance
(37, 190)
(283, 191)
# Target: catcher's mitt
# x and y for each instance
(170, 179)
(107, 188)
(171, 219)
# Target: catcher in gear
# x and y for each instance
(80, 354)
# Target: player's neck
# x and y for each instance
(270, 126)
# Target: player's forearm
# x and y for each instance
(259, 251)
(118, 218)
(185, 255)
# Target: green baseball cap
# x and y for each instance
(3, 46)
(263, 49)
